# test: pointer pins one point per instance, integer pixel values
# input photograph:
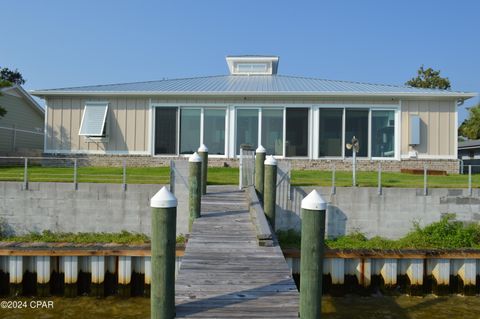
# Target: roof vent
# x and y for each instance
(252, 65)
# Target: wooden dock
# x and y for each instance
(225, 273)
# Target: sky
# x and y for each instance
(74, 43)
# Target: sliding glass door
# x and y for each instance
(296, 143)
(272, 131)
(330, 133)
(356, 124)
(247, 128)
(166, 130)
(214, 131)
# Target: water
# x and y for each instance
(348, 307)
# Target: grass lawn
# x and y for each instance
(229, 176)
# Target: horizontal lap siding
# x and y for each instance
(437, 128)
(126, 125)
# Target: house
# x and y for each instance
(305, 120)
(22, 127)
(469, 154)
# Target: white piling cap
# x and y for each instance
(195, 158)
(314, 201)
(163, 199)
(270, 161)
(260, 149)
(203, 148)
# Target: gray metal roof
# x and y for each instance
(252, 85)
(469, 144)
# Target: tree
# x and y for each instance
(7, 78)
(470, 128)
(429, 79)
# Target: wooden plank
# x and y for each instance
(225, 274)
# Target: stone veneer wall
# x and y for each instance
(450, 166)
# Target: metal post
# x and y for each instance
(311, 261)
(379, 178)
(334, 188)
(203, 153)
(240, 170)
(260, 170)
(124, 176)
(270, 189)
(425, 171)
(461, 166)
(470, 191)
(195, 191)
(164, 224)
(354, 170)
(25, 174)
(75, 172)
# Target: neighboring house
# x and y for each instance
(22, 128)
(469, 154)
(307, 120)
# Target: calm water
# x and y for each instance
(345, 307)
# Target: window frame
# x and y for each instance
(104, 133)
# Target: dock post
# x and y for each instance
(260, 170)
(195, 191)
(203, 153)
(311, 261)
(270, 189)
(164, 224)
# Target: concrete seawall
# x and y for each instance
(92, 208)
(390, 214)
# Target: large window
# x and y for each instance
(247, 128)
(296, 143)
(189, 130)
(330, 132)
(383, 134)
(272, 131)
(356, 124)
(214, 131)
(166, 130)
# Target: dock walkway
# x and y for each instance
(224, 273)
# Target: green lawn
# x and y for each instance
(229, 176)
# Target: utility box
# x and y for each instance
(414, 130)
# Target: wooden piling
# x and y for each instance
(260, 170)
(270, 189)
(203, 153)
(312, 251)
(195, 191)
(164, 222)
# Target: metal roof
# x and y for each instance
(469, 144)
(253, 85)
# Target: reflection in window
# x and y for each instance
(165, 130)
(330, 134)
(247, 128)
(214, 131)
(383, 133)
(296, 143)
(189, 131)
(356, 124)
(272, 131)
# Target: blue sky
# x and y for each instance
(72, 43)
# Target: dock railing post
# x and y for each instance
(311, 255)
(195, 191)
(203, 153)
(124, 175)
(75, 174)
(240, 170)
(470, 191)
(379, 178)
(260, 170)
(270, 189)
(25, 174)
(425, 181)
(164, 224)
(334, 188)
